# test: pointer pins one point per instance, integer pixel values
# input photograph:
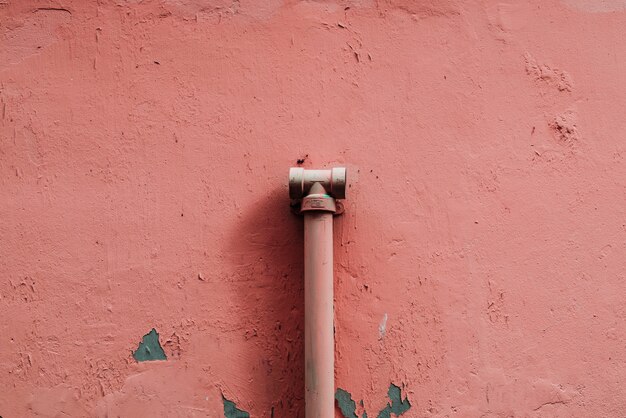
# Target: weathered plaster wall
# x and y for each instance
(144, 149)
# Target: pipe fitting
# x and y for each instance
(318, 200)
(333, 182)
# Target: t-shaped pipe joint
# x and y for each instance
(301, 181)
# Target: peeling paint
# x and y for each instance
(347, 406)
(565, 129)
(543, 73)
(231, 410)
(397, 405)
(150, 348)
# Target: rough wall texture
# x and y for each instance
(144, 148)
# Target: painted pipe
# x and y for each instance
(318, 190)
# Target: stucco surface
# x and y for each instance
(144, 149)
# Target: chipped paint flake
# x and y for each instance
(346, 404)
(150, 348)
(231, 410)
(397, 405)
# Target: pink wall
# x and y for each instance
(144, 149)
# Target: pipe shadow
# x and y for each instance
(265, 254)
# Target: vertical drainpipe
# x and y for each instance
(317, 191)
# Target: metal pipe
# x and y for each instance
(319, 345)
(318, 207)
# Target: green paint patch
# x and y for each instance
(231, 411)
(345, 403)
(397, 406)
(150, 348)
